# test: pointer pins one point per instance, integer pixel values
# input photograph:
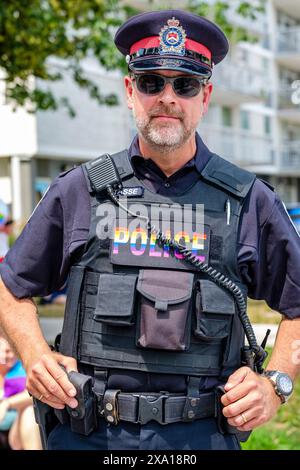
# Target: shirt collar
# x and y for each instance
(199, 160)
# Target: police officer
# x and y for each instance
(153, 329)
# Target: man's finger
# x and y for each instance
(239, 406)
(236, 393)
(252, 424)
(237, 377)
(53, 403)
(61, 378)
(56, 382)
(69, 363)
(244, 417)
(43, 395)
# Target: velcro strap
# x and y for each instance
(161, 305)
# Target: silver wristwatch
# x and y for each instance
(282, 383)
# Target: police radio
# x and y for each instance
(103, 174)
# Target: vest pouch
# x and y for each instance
(214, 311)
(164, 316)
(115, 303)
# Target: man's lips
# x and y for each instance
(165, 117)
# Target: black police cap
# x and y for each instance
(173, 40)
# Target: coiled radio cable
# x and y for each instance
(257, 351)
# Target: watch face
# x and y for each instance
(284, 384)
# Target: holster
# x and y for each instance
(223, 426)
(83, 419)
(45, 418)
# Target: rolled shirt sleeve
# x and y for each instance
(39, 261)
(269, 253)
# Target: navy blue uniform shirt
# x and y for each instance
(268, 245)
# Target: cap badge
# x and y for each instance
(172, 38)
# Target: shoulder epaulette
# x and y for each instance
(228, 176)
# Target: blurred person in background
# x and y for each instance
(5, 233)
(16, 410)
(6, 226)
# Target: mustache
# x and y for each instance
(166, 111)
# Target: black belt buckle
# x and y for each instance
(151, 408)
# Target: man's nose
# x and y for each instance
(168, 95)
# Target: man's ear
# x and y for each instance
(206, 96)
(129, 91)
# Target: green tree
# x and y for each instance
(218, 12)
(31, 32)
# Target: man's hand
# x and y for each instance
(46, 379)
(48, 382)
(250, 400)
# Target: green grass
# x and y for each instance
(51, 311)
(259, 312)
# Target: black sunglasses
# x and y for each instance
(153, 84)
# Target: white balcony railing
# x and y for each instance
(245, 80)
(239, 146)
(290, 155)
(289, 40)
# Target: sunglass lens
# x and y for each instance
(187, 86)
(150, 84)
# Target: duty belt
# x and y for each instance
(96, 401)
(165, 408)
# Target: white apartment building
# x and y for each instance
(253, 120)
(36, 148)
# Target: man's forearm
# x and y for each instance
(19, 320)
(286, 353)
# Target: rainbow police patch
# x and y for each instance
(172, 38)
(133, 245)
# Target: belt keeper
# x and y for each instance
(190, 407)
(192, 399)
(100, 382)
(110, 406)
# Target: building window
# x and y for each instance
(265, 64)
(226, 116)
(245, 120)
(242, 55)
(267, 125)
(211, 117)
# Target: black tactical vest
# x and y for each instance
(135, 305)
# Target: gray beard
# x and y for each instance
(165, 139)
